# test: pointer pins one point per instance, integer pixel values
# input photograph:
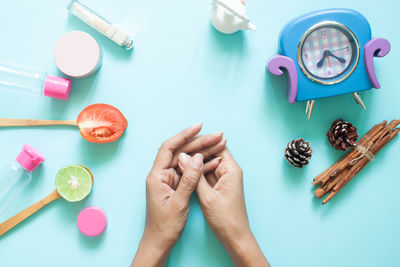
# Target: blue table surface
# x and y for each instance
(181, 72)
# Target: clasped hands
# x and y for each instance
(185, 163)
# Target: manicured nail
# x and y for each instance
(218, 159)
(184, 159)
(197, 125)
(220, 133)
(197, 161)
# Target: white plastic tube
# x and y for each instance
(100, 24)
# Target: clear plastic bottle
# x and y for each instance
(100, 24)
(16, 175)
(32, 81)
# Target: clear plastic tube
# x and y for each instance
(14, 178)
(22, 79)
(32, 81)
(100, 24)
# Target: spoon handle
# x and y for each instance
(28, 122)
(16, 219)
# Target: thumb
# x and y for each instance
(190, 177)
(203, 188)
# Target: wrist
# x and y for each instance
(151, 252)
(244, 250)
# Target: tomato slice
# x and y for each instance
(101, 123)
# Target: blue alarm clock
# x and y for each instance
(328, 53)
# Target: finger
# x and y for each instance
(176, 179)
(202, 141)
(166, 152)
(203, 189)
(225, 154)
(212, 165)
(170, 177)
(183, 161)
(211, 179)
(190, 178)
(213, 150)
(198, 143)
(228, 164)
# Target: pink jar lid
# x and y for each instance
(92, 221)
(30, 158)
(57, 87)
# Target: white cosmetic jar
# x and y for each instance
(77, 54)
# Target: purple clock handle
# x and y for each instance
(377, 47)
(276, 65)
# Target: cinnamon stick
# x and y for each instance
(324, 189)
(340, 173)
(339, 166)
(363, 162)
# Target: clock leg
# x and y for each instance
(358, 100)
(310, 108)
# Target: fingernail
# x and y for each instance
(197, 125)
(181, 166)
(184, 159)
(218, 159)
(220, 133)
(197, 161)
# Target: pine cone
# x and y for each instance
(342, 135)
(298, 152)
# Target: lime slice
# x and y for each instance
(74, 182)
(91, 174)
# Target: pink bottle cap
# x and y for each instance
(30, 158)
(57, 87)
(92, 221)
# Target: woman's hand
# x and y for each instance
(222, 202)
(168, 192)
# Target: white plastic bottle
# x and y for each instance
(32, 81)
(16, 175)
(229, 16)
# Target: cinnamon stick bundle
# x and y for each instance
(339, 174)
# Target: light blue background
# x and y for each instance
(181, 72)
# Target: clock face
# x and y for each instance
(329, 53)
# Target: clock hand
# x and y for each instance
(340, 59)
(340, 49)
(328, 53)
(321, 62)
